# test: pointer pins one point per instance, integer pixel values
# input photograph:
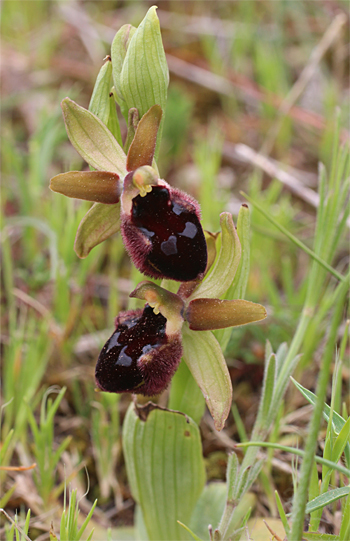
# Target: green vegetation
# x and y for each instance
(266, 126)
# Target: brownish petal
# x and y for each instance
(98, 186)
(210, 314)
(142, 148)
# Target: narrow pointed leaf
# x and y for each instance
(267, 405)
(204, 358)
(337, 420)
(327, 498)
(192, 534)
(98, 186)
(210, 314)
(343, 438)
(142, 148)
(92, 139)
(282, 513)
(144, 77)
(118, 52)
(99, 102)
(100, 222)
(232, 476)
(224, 270)
(345, 523)
(163, 455)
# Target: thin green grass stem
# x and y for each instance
(295, 451)
(300, 496)
(294, 239)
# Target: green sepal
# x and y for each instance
(211, 239)
(99, 102)
(98, 224)
(118, 52)
(92, 139)
(113, 120)
(185, 395)
(143, 145)
(223, 272)
(165, 468)
(204, 358)
(97, 186)
(211, 314)
(144, 77)
(239, 284)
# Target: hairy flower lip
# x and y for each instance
(162, 232)
(139, 357)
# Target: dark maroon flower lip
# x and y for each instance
(139, 357)
(163, 234)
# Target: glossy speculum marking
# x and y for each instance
(138, 357)
(171, 226)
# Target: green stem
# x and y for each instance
(300, 496)
(295, 451)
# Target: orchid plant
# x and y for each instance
(161, 230)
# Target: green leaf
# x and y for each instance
(337, 420)
(232, 476)
(208, 509)
(140, 526)
(185, 395)
(92, 139)
(5, 445)
(267, 393)
(341, 441)
(224, 270)
(163, 455)
(113, 121)
(345, 523)
(282, 513)
(98, 186)
(142, 148)
(327, 498)
(144, 77)
(99, 102)
(204, 358)
(192, 534)
(118, 52)
(239, 284)
(98, 224)
(5, 498)
(210, 314)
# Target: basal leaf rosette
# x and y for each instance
(145, 350)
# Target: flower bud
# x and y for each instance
(140, 357)
(162, 232)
